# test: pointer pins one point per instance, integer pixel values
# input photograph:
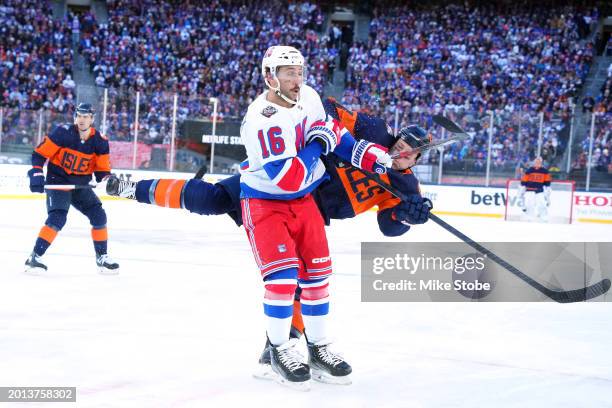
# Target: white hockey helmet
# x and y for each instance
(278, 56)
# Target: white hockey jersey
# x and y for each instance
(278, 167)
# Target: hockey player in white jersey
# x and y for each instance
(285, 131)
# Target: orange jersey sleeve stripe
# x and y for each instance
(99, 234)
(47, 148)
(390, 203)
(47, 233)
(102, 163)
(168, 193)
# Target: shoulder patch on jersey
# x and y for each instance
(269, 111)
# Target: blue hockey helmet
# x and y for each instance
(415, 136)
(84, 109)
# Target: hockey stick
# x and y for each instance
(200, 173)
(68, 186)
(434, 145)
(447, 124)
(561, 296)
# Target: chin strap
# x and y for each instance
(86, 130)
(279, 93)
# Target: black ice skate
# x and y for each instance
(106, 266)
(34, 265)
(327, 366)
(287, 366)
(264, 369)
(120, 188)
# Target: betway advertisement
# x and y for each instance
(491, 202)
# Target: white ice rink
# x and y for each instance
(182, 325)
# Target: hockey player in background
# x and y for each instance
(74, 152)
(535, 191)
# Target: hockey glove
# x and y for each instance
(415, 210)
(326, 132)
(37, 180)
(370, 157)
(102, 176)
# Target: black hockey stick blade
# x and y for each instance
(448, 124)
(580, 295)
(560, 296)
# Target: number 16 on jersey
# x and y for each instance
(271, 142)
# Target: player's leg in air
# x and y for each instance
(194, 195)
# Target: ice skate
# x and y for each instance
(34, 265)
(326, 366)
(263, 371)
(120, 188)
(287, 366)
(106, 265)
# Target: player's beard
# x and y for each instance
(293, 94)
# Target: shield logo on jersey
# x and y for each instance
(269, 111)
(282, 248)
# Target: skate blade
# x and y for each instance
(264, 372)
(325, 377)
(104, 271)
(303, 386)
(34, 270)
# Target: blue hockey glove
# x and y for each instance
(37, 180)
(415, 210)
(102, 175)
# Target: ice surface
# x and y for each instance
(182, 325)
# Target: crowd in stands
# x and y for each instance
(418, 60)
(460, 60)
(35, 65)
(601, 106)
(198, 50)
